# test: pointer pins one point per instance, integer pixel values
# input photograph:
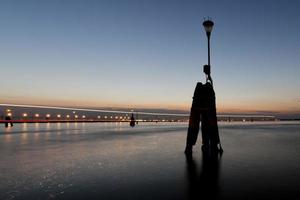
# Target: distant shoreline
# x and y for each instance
(127, 121)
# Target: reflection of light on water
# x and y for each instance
(119, 126)
(58, 125)
(47, 135)
(37, 126)
(7, 137)
(36, 136)
(8, 129)
(24, 126)
(24, 138)
(48, 125)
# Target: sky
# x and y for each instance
(149, 54)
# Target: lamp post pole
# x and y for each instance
(208, 25)
(208, 48)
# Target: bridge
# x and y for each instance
(20, 113)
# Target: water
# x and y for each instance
(115, 161)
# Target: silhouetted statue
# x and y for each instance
(203, 109)
(132, 121)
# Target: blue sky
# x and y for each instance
(150, 53)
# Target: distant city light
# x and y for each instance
(58, 116)
(105, 117)
(93, 110)
(111, 117)
(116, 117)
(36, 115)
(48, 115)
(99, 117)
(8, 110)
(68, 116)
(83, 116)
(25, 115)
(76, 116)
(9, 114)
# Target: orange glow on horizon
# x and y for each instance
(223, 105)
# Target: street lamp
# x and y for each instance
(208, 26)
(204, 97)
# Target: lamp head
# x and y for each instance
(208, 26)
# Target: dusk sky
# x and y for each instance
(149, 54)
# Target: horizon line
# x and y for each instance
(127, 112)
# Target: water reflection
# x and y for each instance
(204, 183)
(8, 138)
(25, 126)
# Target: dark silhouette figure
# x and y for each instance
(132, 121)
(8, 121)
(204, 184)
(204, 110)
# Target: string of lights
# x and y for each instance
(116, 112)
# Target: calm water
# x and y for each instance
(115, 161)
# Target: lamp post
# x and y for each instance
(204, 109)
(208, 26)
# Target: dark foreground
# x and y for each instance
(114, 161)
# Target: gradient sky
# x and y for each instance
(150, 53)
